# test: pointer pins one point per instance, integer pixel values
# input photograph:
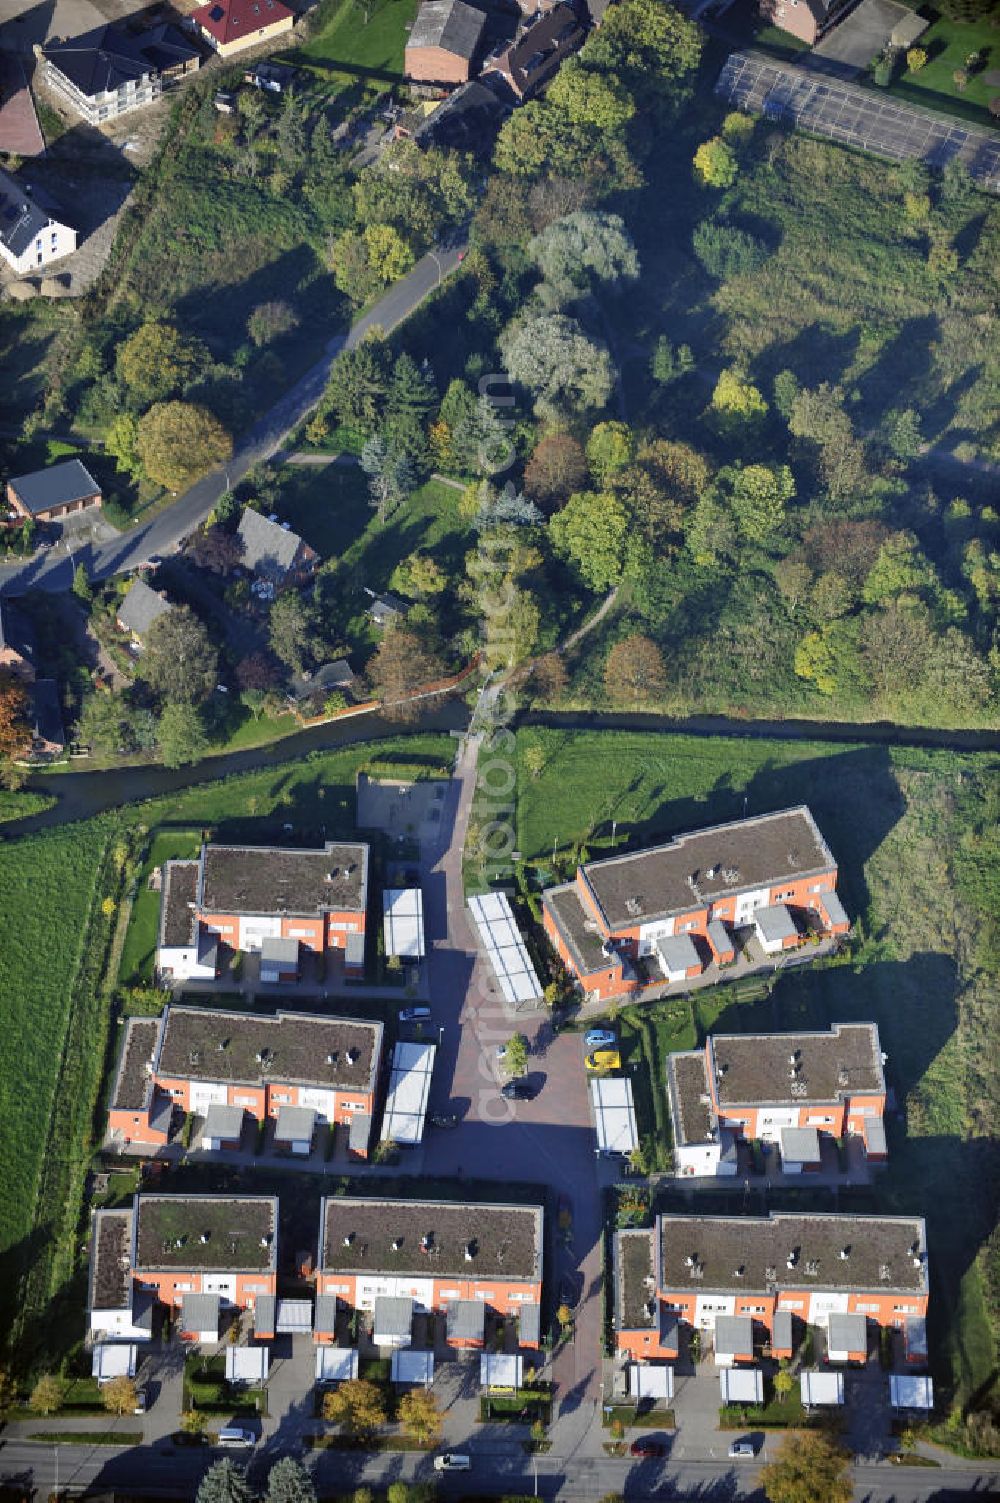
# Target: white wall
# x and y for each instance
(206, 1093)
(824, 1303)
(748, 901)
(183, 963)
(256, 928)
(322, 1102)
(57, 240)
(698, 1160)
(650, 933)
(220, 1283)
(771, 1121)
(708, 1306)
(421, 1291)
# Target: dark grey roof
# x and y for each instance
(393, 1315)
(46, 712)
(57, 485)
(529, 1324)
(359, 1134)
(781, 1330)
(469, 118)
(264, 1314)
(101, 61)
(335, 675)
(251, 879)
(200, 1312)
(268, 548)
(466, 1319)
(295, 1124)
(385, 606)
(539, 51)
(325, 1317)
(279, 951)
(775, 924)
(140, 607)
(224, 1122)
(16, 632)
(679, 952)
(23, 217)
(733, 1335)
(450, 25)
(696, 869)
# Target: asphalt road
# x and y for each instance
(53, 569)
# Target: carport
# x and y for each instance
(412, 1369)
(650, 1380)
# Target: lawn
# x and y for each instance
(19, 805)
(352, 43)
(140, 942)
(914, 834)
(948, 44)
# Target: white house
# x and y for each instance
(30, 234)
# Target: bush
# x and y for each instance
(726, 251)
(916, 59)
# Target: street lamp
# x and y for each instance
(440, 1035)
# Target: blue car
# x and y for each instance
(600, 1038)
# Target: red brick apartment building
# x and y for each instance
(192, 1059)
(251, 897)
(397, 1258)
(790, 1089)
(201, 1254)
(770, 1270)
(677, 905)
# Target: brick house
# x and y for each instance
(56, 492)
(111, 70)
(273, 551)
(443, 42)
(230, 26)
(539, 51)
(772, 1086)
(195, 1253)
(695, 1269)
(809, 20)
(677, 905)
(194, 1059)
(243, 895)
(395, 1258)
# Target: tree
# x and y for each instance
(516, 1055)
(111, 726)
(157, 362)
(736, 402)
(564, 1315)
(119, 1396)
(715, 164)
(418, 575)
(289, 1482)
(588, 97)
(677, 468)
(816, 661)
(482, 439)
(224, 1482)
(506, 507)
(634, 672)
(590, 531)
(725, 250)
(557, 467)
(358, 1405)
(359, 384)
(549, 677)
(758, 494)
(216, 549)
(122, 443)
(401, 664)
(563, 369)
(270, 320)
(412, 393)
(47, 1395)
(389, 256)
(288, 630)
(809, 1468)
(181, 734)
(667, 364)
(916, 59)
(391, 475)
(179, 661)
(81, 585)
(419, 1416)
(194, 1422)
(819, 418)
(15, 732)
(584, 249)
(654, 50)
(178, 441)
(610, 447)
(8, 1390)
(784, 1382)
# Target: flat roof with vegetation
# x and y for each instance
(205, 1044)
(690, 1105)
(358, 1236)
(883, 1253)
(635, 1285)
(134, 1081)
(247, 879)
(225, 1232)
(845, 1061)
(110, 1261)
(178, 895)
(693, 870)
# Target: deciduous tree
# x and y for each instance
(589, 97)
(181, 734)
(810, 1467)
(758, 495)
(564, 369)
(157, 361)
(216, 549)
(402, 663)
(178, 441)
(634, 672)
(15, 733)
(358, 1405)
(590, 531)
(715, 163)
(736, 402)
(270, 320)
(549, 677)
(584, 250)
(557, 467)
(610, 447)
(119, 1396)
(419, 1415)
(179, 661)
(47, 1395)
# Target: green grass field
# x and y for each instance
(20, 805)
(918, 873)
(350, 48)
(948, 44)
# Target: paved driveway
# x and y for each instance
(850, 46)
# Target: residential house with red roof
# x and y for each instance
(231, 26)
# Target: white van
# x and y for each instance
(450, 1462)
(232, 1436)
(414, 1014)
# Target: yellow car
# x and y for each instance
(603, 1060)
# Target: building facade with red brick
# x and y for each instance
(670, 912)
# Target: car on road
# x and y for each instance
(414, 1014)
(232, 1435)
(451, 1461)
(602, 1060)
(647, 1448)
(517, 1090)
(600, 1038)
(570, 1289)
(141, 1399)
(742, 1448)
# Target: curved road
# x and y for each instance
(53, 569)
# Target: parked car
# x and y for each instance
(232, 1435)
(517, 1090)
(452, 1462)
(603, 1060)
(414, 1014)
(443, 1119)
(742, 1448)
(600, 1038)
(141, 1399)
(647, 1448)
